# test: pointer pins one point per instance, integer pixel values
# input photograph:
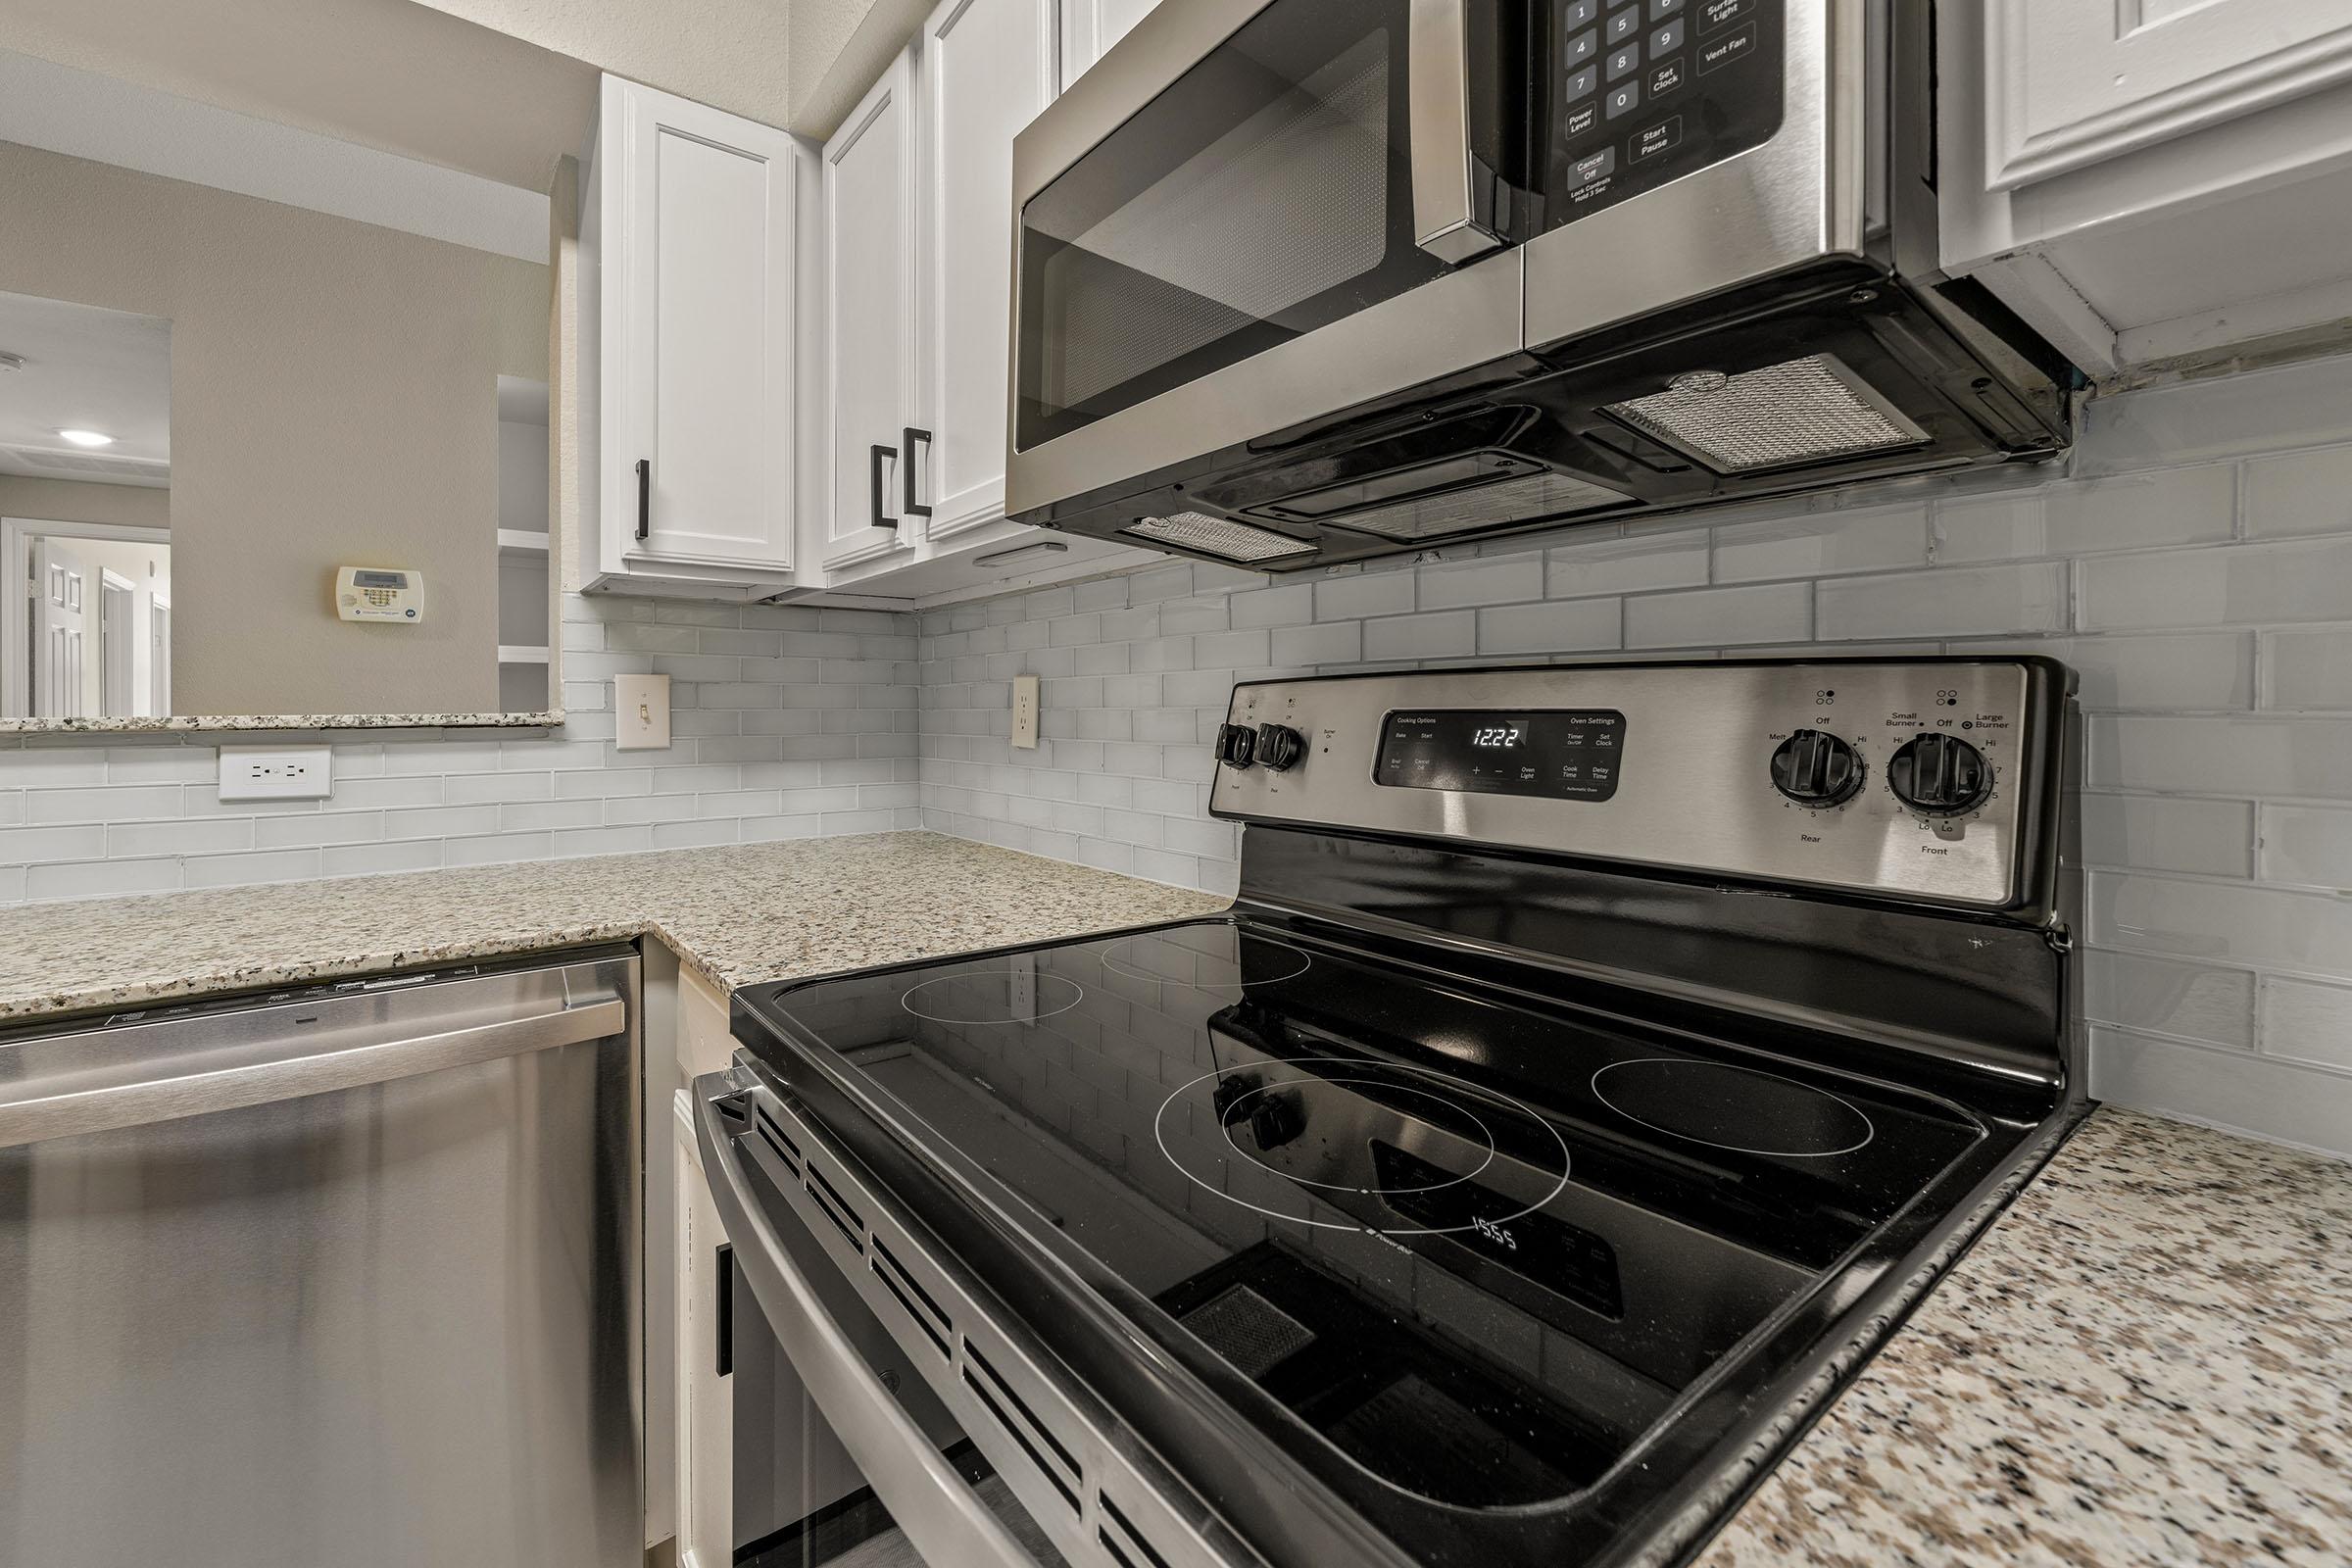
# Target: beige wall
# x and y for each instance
(334, 403)
(129, 505)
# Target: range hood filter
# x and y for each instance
(1218, 536)
(1806, 410)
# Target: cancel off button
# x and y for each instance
(1658, 138)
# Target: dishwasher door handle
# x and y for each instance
(67, 1102)
(942, 1516)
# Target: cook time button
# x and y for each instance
(1655, 140)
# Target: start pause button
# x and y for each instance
(1658, 138)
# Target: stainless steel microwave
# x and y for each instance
(1305, 281)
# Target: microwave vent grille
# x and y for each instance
(1218, 536)
(1533, 495)
(1810, 409)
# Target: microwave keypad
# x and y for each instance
(1644, 91)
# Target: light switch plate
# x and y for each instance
(1025, 711)
(641, 712)
(275, 772)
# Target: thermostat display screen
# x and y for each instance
(379, 579)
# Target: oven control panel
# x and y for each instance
(1927, 777)
(1644, 91)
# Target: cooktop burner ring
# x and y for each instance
(1234, 1114)
(1055, 994)
(1110, 962)
(1843, 1127)
(1440, 1086)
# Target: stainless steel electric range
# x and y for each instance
(1597, 1061)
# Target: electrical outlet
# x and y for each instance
(641, 712)
(1025, 711)
(275, 772)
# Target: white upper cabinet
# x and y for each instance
(2150, 182)
(1089, 27)
(987, 70)
(871, 266)
(694, 222)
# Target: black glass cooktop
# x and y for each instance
(1476, 1240)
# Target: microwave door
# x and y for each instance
(1220, 233)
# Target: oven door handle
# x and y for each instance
(1437, 113)
(943, 1517)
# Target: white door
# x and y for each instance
(61, 589)
(987, 70)
(699, 363)
(705, 1476)
(871, 300)
(1090, 26)
(158, 655)
(118, 641)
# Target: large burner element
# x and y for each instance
(1729, 1107)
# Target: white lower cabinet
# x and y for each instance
(706, 1417)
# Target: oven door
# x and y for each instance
(842, 1452)
(1252, 214)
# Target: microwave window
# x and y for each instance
(1263, 194)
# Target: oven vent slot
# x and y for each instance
(837, 1209)
(984, 1378)
(901, 1284)
(1218, 536)
(780, 1141)
(1127, 1545)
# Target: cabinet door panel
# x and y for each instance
(706, 258)
(988, 69)
(1089, 27)
(871, 301)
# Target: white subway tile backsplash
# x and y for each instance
(2230, 585)
(1567, 626)
(2299, 493)
(2281, 1100)
(2224, 923)
(1624, 566)
(2162, 997)
(1721, 617)
(1444, 634)
(1361, 594)
(2309, 670)
(2172, 507)
(2161, 833)
(2309, 846)
(1945, 602)
(1485, 580)
(1823, 544)
(2256, 756)
(1333, 643)
(2306, 1022)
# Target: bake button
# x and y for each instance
(1714, 14)
(1581, 82)
(1623, 99)
(1600, 166)
(1624, 62)
(1666, 78)
(1623, 24)
(1728, 48)
(1580, 13)
(1580, 122)
(1665, 40)
(1583, 47)
(1655, 140)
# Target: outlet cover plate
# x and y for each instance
(275, 772)
(1025, 711)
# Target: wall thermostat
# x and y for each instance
(380, 593)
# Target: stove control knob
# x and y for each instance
(1813, 767)
(1941, 776)
(1236, 746)
(1279, 746)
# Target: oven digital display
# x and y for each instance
(1567, 756)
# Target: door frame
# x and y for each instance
(16, 597)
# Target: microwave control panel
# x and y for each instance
(1646, 91)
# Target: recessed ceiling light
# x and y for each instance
(87, 438)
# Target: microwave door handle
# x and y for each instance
(1446, 220)
(943, 1517)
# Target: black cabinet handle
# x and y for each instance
(909, 436)
(725, 1270)
(875, 457)
(645, 497)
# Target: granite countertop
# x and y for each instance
(2146, 1360)
(737, 915)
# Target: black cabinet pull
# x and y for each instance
(725, 1270)
(909, 436)
(875, 457)
(645, 497)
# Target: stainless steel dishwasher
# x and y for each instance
(341, 1276)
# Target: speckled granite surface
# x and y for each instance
(2148, 1360)
(183, 724)
(738, 914)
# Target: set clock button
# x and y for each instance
(1814, 768)
(1279, 746)
(1236, 746)
(1941, 776)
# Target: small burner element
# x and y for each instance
(1217, 960)
(991, 996)
(1736, 1108)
